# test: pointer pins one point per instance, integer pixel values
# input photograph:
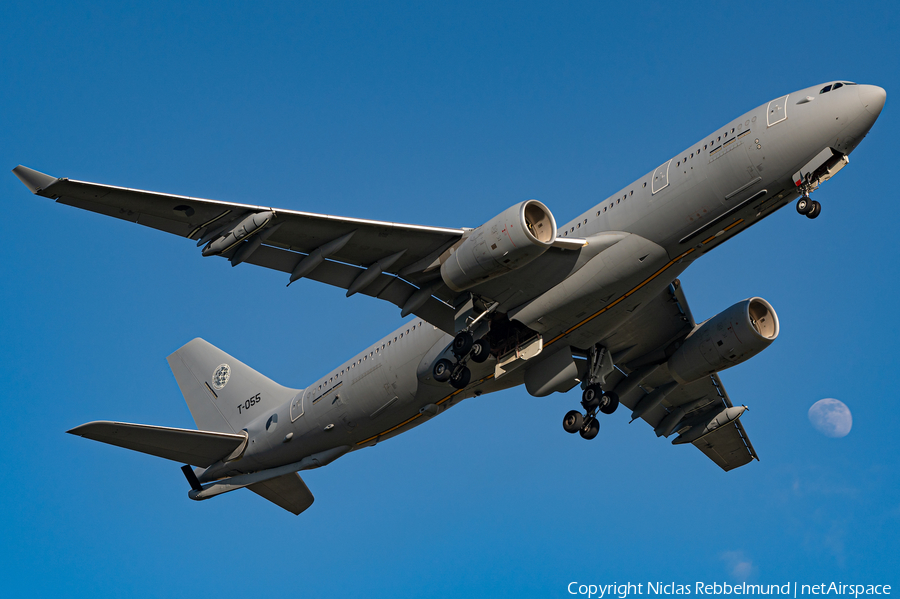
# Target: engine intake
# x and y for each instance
(728, 338)
(508, 241)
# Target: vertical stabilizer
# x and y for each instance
(223, 394)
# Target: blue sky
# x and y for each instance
(440, 116)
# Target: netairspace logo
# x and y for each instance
(791, 589)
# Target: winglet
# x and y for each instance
(34, 180)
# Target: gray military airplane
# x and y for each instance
(518, 300)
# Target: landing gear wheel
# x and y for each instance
(573, 421)
(442, 370)
(804, 205)
(609, 402)
(480, 351)
(815, 211)
(590, 397)
(590, 429)
(462, 343)
(461, 378)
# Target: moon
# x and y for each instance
(831, 417)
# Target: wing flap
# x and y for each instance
(384, 287)
(728, 446)
(287, 491)
(197, 448)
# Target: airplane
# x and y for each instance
(596, 303)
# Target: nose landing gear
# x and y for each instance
(805, 206)
(809, 208)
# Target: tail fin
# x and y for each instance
(223, 394)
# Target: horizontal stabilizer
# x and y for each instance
(287, 491)
(198, 448)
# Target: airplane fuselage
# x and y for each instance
(712, 190)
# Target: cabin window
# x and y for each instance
(645, 184)
(617, 201)
(585, 221)
(604, 209)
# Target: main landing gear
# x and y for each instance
(593, 399)
(464, 348)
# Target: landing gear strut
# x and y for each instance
(593, 399)
(805, 206)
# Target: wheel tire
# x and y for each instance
(460, 379)
(442, 370)
(573, 421)
(590, 429)
(804, 205)
(609, 402)
(480, 351)
(590, 397)
(462, 343)
(815, 211)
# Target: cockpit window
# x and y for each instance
(825, 89)
(837, 85)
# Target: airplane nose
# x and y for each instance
(872, 97)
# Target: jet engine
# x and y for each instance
(727, 339)
(508, 241)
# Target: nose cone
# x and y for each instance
(872, 98)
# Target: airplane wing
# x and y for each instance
(641, 345)
(391, 261)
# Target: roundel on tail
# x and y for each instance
(220, 376)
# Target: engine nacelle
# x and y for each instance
(726, 339)
(508, 241)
